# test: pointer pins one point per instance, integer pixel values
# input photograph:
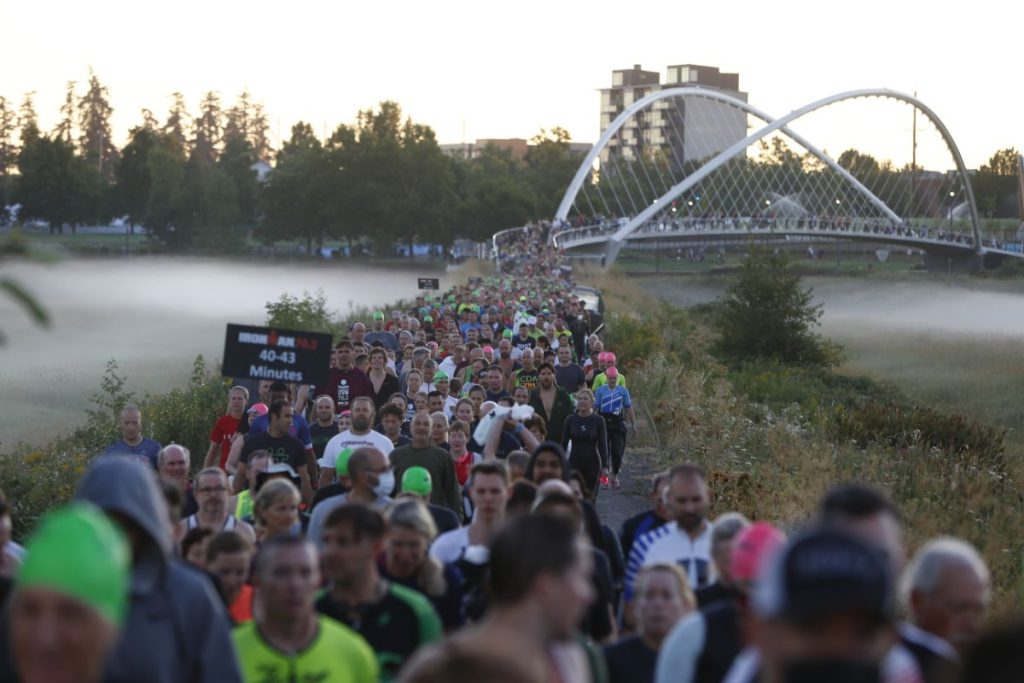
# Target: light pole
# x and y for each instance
(951, 196)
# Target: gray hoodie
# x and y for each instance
(176, 630)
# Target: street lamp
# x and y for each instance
(952, 195)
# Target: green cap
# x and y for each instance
(79, 552)
(428, 319)
(507, 333)
(341, 462)
(379, 315)
(441, 374)
(417, 480)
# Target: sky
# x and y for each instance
(500, 70)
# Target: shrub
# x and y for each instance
(766, 314)
(37, 478)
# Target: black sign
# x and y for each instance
(429, 283)
(270, 353)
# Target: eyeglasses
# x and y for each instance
(212, 489)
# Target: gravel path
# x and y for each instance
(616, 506)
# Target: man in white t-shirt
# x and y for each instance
(489, 490)
(686, 540)
(360, 434)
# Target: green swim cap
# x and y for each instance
(507, 334)
(417, 480)
(77, 551)
(341, 462)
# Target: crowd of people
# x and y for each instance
(428, 514)
(770, 221)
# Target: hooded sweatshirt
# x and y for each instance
(176, 630)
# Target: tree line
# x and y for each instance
(191, 178)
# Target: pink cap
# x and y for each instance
(611, 373)
(259, 409)
(603, 357)
(752, 545)
(489, 350)
(609, 358)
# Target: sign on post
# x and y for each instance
(429, 283)
(271, 353)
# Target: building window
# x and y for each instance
(673, 75)
(616, 78)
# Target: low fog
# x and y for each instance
(153, 315)
(859, 308)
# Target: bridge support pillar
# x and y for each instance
(939, 262)
(611, 252)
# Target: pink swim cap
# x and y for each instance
(602, 357)
(752, 545)
(611, 373)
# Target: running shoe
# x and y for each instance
(615, 481)
(604, 481)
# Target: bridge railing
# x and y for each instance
(926, 233)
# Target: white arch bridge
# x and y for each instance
(674, 167)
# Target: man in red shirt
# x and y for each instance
(225, 427)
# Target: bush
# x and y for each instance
(778, 386)
(37, 478)
(766, 314)
(308, 313)
(902, 427)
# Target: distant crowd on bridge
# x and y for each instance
(602, 226)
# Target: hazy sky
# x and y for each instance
(481, 69)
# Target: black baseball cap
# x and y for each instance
(822, 573)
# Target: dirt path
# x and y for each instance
(616, 506)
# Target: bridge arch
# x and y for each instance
(735, 150)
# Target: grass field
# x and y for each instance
(980, 376)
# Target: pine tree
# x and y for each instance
(95, 143)
(207, 130)
(8, 155)
(177, 121)
(28, 121)
(66, 128)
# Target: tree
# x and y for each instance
(134, 179)
(65, 130)
(551, 165)
(494, 193)
(237, 162)
(55, 184)
(28, 122)
(8, 154)
(177, 120)
(766, 314)
(298, 193)
(1003, 163)
(165, 167)
(95, 141)
(207, 130)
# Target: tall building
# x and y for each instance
(683, 131)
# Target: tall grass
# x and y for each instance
(775, 438)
